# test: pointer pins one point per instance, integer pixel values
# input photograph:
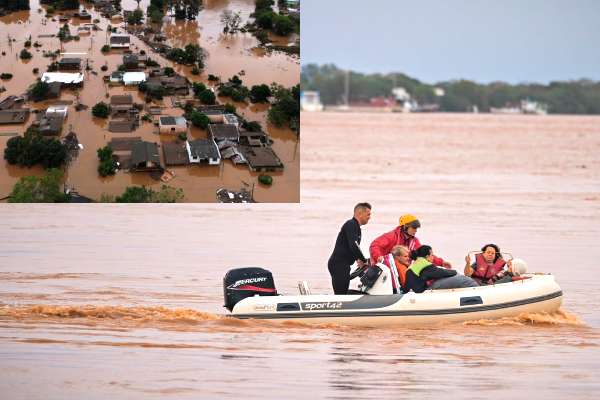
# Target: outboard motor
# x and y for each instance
(240, 283)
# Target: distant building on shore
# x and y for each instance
(310, 101)
(525, 107)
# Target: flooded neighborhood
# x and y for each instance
(155, 101)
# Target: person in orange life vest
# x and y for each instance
(403, 235)
(398, 262)
(488, 267)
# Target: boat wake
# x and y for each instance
(559, 317)
(121, 317)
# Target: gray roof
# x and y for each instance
(204, 149)
(70, 60)
(121, 99)
(143, 152)
(119, 39)
(224, 132)
(178, 121)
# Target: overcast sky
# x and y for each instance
(434, 40)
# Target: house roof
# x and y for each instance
(62, 77)
(116, 38)
(130, 58)
(143, 152)
(204, 149)
(178, 121)
(70, 60)
(133, 77)
(224, 131)
(17, 116)
(121, 99)
(175, 153)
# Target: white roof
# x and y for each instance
(62, 77)
(133, 77)
(57, 110)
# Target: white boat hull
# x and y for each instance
(538, 293)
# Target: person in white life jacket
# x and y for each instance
(489, 266)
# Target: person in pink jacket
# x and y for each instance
(403, 235)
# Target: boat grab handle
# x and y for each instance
(470, 301)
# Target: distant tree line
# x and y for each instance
(14, 5)
(565, 97)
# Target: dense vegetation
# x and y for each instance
(191, 54)
(285, 110)
(570, 97)
(38, 91)
(14, 5)
(62, 4)
(101, 110)
(142, 194)
(33, 148)
(44, 189)
(182, 9)
(107, 165)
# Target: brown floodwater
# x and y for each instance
(119, 301)
(227, 55)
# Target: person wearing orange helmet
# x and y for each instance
(403, 235)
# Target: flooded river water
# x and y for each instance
(126, 301)
(227, 55)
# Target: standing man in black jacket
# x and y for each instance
(346, 250)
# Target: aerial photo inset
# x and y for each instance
(149, 101)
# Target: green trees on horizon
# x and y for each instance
(568, 97)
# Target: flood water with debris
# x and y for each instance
(227, 55)
(126, 301)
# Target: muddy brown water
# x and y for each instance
(227, 55)
(125, 302)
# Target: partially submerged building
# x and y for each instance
(145, 157)
(261, 159)
(119, 41)
(133, 78)
(14, 116)
(176, 153)
(203, 151)
(64, 78)
(133, 62)
(122, 105)
(220, 132)
(173, 125)
(170, 85)
(70, 63)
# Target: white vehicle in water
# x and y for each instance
(251, 293)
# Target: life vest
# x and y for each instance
(398, 271)
(484, 272)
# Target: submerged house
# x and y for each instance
(219, 132)
(72, 79)
(173, 125)
(133, 62)
(133, 78)
(145, 157)
(171, 85)
(122, 104)
(71, 63)
(203, 151)
(119, 41)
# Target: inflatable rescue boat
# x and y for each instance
(251, 293)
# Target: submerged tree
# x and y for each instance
(185, 8)
(231, 21)
(44, 189)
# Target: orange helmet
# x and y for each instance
(409, 220)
